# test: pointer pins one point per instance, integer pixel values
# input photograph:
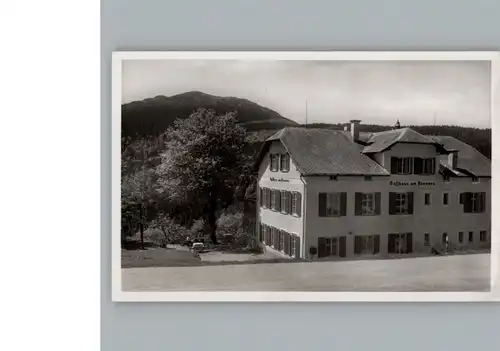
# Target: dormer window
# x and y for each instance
(413, 165)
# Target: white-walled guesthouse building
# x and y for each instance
(348, 194)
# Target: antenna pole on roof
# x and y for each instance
(434, 117)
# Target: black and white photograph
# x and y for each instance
(312, 174)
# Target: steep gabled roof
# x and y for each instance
(469, 160)
(383, 140)
(324, 152)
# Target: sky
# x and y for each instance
(376, 92)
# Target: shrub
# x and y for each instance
(198, 228)
(164, 230)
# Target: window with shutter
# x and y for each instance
(409, 199)
(401, 203)
(297, 247)
(321, 247)
(358, 198)
(378, 200)
(409, 242)
(281, 245)
(299, 204)
(392, 203)
(342, 246)
(292, 245)
(322, 205)
(418, 165)
(343, 204)
(396, 165)
(274, 162)
(357, 245)
(285, 163)
(284, 202)
(376, 244)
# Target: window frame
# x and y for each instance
(287, 158)
(402, 202)
(272, 158)
(366, 199)
(471, 237)
(461, 237)
(427, 196)
(293, 247)
(446, 194)
(333, 199)
(483, 236)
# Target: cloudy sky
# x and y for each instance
(453, 92)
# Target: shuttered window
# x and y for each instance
(285, 163)
(274, 160)
(366, 244)
(296, 205)
(332, 204)
(400, 203)
(292, 245)
(473, 202)
(366, 204)
(285, 201)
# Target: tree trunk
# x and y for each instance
(166, 236)
(141, 224)
(212, 217)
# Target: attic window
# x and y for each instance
(274, 162)
(333, 177)
(446, 178)
(285, 163)
(368, 178)
(475, 180)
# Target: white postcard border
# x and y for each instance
(272, 296)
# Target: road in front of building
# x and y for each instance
(444, 273)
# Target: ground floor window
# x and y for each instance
(282, 241)
(482, 235)
(327, 247)
(400, 243)
(427, 239)
(471, 237)
(334, 246)
(366, 244)
(460, 237)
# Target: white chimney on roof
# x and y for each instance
(355, 129)
(453, 159)
(346, 128)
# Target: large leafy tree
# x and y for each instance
(203, 164)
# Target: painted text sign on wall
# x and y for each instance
(411, 183)
(279, 179)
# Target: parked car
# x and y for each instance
(198, 246)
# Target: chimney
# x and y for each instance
(453, 159)
(355, 129)
(346, 128)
